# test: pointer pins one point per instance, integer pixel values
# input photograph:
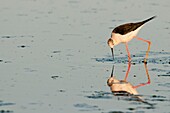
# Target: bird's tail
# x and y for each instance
(148, 19)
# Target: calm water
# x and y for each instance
(54, 57)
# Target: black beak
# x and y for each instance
(112, 53)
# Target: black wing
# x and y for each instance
(126, 28)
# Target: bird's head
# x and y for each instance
(110, 43)
(110, 81)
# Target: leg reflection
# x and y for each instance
(127, 72)
(148, 77)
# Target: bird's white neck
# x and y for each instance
(116, 38)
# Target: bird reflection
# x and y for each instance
(125, 88)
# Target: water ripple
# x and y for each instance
(123, 60)
(154, 58)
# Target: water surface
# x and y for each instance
(54, 56)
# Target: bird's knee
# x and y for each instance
(149, 42)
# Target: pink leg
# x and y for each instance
(147, 73)
(148, 82)
(129, 58)
(149, 43)
(127, 72)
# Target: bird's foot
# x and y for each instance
(145, 61)
(129, 60)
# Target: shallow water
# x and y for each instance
(54, 56)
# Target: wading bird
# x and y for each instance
(126, 32)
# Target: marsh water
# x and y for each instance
(54, 56)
